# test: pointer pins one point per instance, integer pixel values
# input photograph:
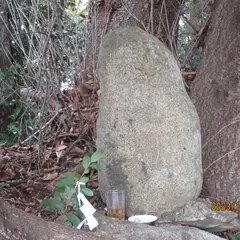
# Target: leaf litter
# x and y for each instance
(28, 173)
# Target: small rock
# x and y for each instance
(199, 214)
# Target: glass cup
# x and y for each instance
(115, 200)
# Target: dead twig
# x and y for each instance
(43, 127)
(8, 183)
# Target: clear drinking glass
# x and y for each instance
(115, 200)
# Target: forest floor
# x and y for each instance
(28, 173)
(25, 184)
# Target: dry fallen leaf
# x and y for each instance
(76, 150)
(27, 210)
(59, 154)
(46, 155)
(50, 176)
(4, 175)
(60, 147)
(98, 92)
(28, 190)
(51, 185)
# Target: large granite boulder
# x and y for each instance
(147, 124)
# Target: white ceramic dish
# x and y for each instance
(142, 219)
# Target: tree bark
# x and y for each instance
(18, 225)
(216, 95)
(159, 17)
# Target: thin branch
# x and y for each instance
(236, 121)
(189, 23)
(132, 15)
(152, 17)
(43, 127)
(217, 160)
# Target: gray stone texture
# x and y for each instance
(201, 214)
(147, 125)
(136, 231)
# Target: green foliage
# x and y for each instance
(53, 204)
(96, 156)
(37, 30)
(2, 76)
(15, 129)
(7, 83)
(188, 56)
(64, 194)
(73, 219)
(188, 60)
(19, 116)
(234, 237)
(71, 4)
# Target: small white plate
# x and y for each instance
(142, 219)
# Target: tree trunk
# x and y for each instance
(159, 17)
(216, 95)
(16, 224)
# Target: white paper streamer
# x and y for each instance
(87, 209)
